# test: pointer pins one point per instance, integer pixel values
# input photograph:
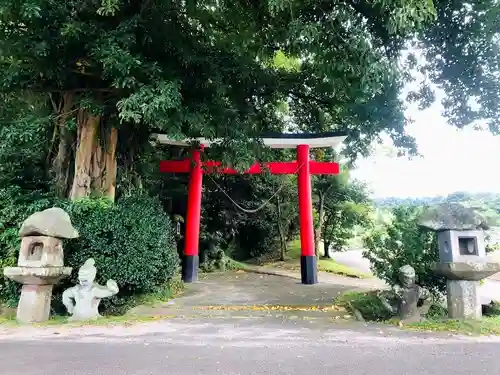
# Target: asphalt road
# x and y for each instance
(243, 347)
(353, 259)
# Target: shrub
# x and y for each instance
(131, 241)
(402, 242)
(368, 304)
(493, 309)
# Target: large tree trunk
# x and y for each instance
(282, 244)
(327, 249)
(95, 158)
(62, 161)
(281, 231)
(321, 221)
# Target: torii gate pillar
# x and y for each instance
(308, 269)
(191, 242)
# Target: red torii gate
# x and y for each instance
(302, 166)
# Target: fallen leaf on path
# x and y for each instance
(269, 308)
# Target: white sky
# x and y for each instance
(453, 160)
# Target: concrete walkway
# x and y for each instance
(263, 292)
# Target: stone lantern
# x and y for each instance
(462, 256)
(41, 262)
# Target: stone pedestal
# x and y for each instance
(34, 304)
(462, 286)
(463, 299)
(36, 293)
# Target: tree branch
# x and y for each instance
(75, 90)
(303, 96)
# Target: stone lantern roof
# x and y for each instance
(452, 216)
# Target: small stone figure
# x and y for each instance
(220, 260)
(82, 301)
(406, 297)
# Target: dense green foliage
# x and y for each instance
(401, 242)
(76, 72)
(131, 241)
(24, 135)
(139, 254)
(15, 206)
(215, 69)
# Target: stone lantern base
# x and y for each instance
(36, 292)
(462, 286)
(463, 299)
(34, 304)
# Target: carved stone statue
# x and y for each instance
(405, 298)
(82, 301)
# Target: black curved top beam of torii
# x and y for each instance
(272, 140)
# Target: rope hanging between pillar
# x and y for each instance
(252, 211)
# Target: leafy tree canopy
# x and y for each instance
(217, 68)
(462, 53)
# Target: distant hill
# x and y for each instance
(488, 204)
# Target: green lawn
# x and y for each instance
(488, 325)
(371, 309)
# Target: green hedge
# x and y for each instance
(131, 241)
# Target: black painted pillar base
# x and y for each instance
(190, 268)
(308, 269)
